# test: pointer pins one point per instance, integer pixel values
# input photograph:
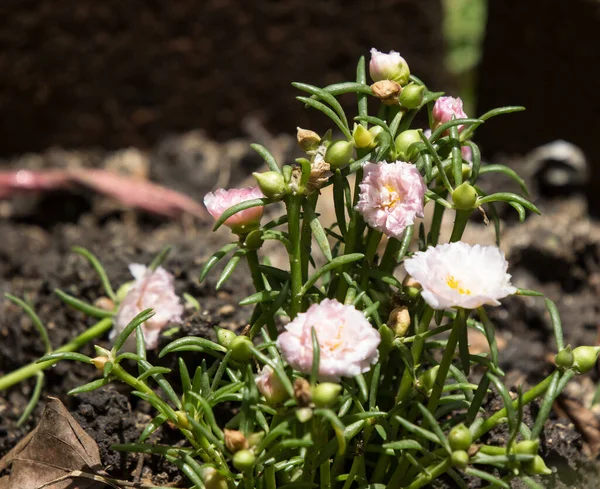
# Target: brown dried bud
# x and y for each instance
(307, 140)
(399, 320)
(319, 174)
(387, 91)
(99, 362)
(302, 392)
(235, 440)
(104, 303)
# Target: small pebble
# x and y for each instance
(226, 310)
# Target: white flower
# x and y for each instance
(461, 275)
(151, 289)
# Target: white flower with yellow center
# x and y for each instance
(461, 275)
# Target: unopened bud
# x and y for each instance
(319, 174)
(307, 140)
(460, 437)
(585, 358)
(527, 447)
(304, 414)
(388, 66)
(302, 392)
(104, 303)
(240, 348)
(271, 184)
(465, 196)
(387, 340)
(412, 96)
(212, 479)
(376, 132)
(235, 440)
(270, 386)
(326, 394)
(244, 460)
(224, 336)
(460, 459)
(387, 91)
(537, 466)
(564, 358)
(254, 240)
(426, 380)
(255, 438)
(399, 321)
(411, 287)
(362, 137)
(123, 291)
(182, 419)
(99, 362)
(339, 153)
(406, 144)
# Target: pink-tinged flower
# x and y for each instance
(270, 386)
(389, 66)
(151, 289)
(242, 222)
(347, 341)
(391, 196)
(461, 275)
(445, 108)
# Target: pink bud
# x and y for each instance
(270, 386)
(445, 108)
(389, 66)
(242, 222)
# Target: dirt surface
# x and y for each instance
(556, 254)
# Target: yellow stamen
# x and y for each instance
(394, 197)
(455, 284)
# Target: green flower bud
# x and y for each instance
(240, 348)
(338, 154)
(527, 447)
(411, 96)
(182, 420)
(406, 144)
(254, 240)
(426, 380)
(362, 137)
(244, 460)
(307, 140)
(326, 394)
(304, 414)
(464, 196)
(460, 459)
(585, 358)
(537, 466)
(271, 184)
(213, 480)
(460, 437)
(387, 339)
(224, 336)
(564, 359)
(255, 438)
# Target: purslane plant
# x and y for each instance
(348, 373)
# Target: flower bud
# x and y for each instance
(254, 240)
(406, 144)
(255, 438)
(235, 440)
(271, 184)
(338, 153)
(584, 358)
(224, 336)
(527, 447)
(460, 459)
(537, 466)
(302, 392)
(213, 480)
(387, 340)
(123, 291)
(426, 380)
(244, 460)
(326, 394)
(412, 96)
(445, 109)
(564, 359)
(99, 362)
(464, 196)
(460, 437)
(307, 140)
(387, 91)
(182, 420)
(304, 414)
(376, 132)
(399, 320)
(240, 348)
(390, 66)
(270, 386)
(104, 303)
(362, 137)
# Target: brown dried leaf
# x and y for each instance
(53, 455)
(585, 421)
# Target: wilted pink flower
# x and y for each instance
(151, 289)
(389, 66)
(461, 275)
(391, 196)
(445, 108)
(270, 386)
(347, 341)
(244, 221)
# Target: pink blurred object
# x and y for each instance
(445, 108)
(129, 191)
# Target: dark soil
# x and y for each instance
(556, 254)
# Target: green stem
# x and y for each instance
(259, 285)
(434, 472)
(306, 236)
(27, 371)
(459, 323)
(293, 203)
(130, 380)
(388, 261)
(436, 223)
(460, 222)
